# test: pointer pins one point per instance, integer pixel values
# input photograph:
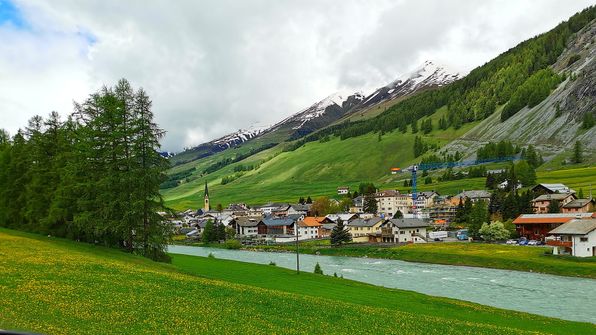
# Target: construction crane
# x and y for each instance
(442, 165)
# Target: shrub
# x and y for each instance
(210, 255)
(272, 263)
(318, 269)
(233, 244)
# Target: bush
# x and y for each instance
(318, 269)
(232, 244)
(272, 263)
(210, 255)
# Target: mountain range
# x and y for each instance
(346, 139)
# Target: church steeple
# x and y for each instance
(207, 207)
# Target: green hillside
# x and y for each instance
(521, 81)
(56, 286)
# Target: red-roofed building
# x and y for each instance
(537, 226)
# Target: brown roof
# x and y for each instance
(312, 221)
(551, 218)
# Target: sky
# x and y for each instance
(213, 67)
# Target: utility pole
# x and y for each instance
(297, 254)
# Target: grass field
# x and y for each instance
(56, 286)
(495, 256)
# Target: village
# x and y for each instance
(559, 218)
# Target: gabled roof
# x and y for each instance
(553, 188)
(300, 207)
(387, 193)
(474, 194)
(269, 221)
(554, 196)
(247, 222)
(579, 203)
(427, 194)
(551, 218)
(312, 221)
(366, 222)
(575, 227)
(409, 223)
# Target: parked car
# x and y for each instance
(523, 241)
(511, 242)
(532, 242)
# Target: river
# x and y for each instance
(555, 296)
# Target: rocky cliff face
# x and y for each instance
(554, 125)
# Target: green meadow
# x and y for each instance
(56, 286)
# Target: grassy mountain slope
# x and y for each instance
(351, 153)
(56, 286)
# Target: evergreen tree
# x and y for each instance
(209, 234)
(577, 153)
(580, 194)
(339, 235)
(478, 216)
(414, 126)
(554, 206)
(370, 204)
(301, 200)
(308, 200)
(220, 232)
(318, 269)
(398, 215)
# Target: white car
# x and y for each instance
(532, 242)
(511, 242)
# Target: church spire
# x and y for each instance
(207, 207)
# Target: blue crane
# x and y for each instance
(442, 165)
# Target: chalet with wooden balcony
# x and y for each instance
(576, 237)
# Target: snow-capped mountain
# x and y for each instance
(240, 136)
(321, 113)
(429, 75)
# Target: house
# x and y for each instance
(362, 228)
(327, 228)
(357, 205)
(395, 170)
(426, 199)
(343, 190)
(538, 226)
(577, 237)
(579, 206)
(299, 209)
(404, 231)
(269, 208)
(391, 201)
(310, 227)
(277, 226)
(551, 189)
(473, 195)
(246, 226)
(542, 202)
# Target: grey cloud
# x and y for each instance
(212, 67)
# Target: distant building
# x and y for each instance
(473, 195)
(362, 228)
(246, 226)
(579, 206)
(551, 189)
(357, 205)
(404, 231)
(538, 226)
(391, 201)
(343, 190)
(577, 237)
(542, 202)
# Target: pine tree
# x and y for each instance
(577, 153)
(318, 269)
(580, 194)
(554, 206)
(339, 235)
(370, 204)
(209, 234)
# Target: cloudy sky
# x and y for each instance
(212, 67)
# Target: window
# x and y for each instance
(584, 239)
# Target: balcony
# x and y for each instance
(556, 243)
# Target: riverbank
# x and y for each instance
(496, 256)
(52, 285)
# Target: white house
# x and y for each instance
(404, 231)
(246, 226)
(577, 237)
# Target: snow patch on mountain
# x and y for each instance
(241, 136)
